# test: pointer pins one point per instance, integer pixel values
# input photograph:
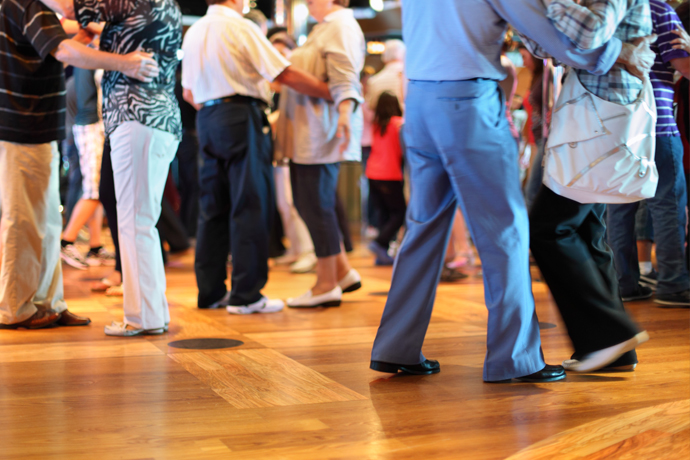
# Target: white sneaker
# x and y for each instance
(72, 257)
(263, 305)
(224, 302)
(102, 258)
(350, 282)
(305, 264)
(602, 358)
(331, 298)
(121, 329)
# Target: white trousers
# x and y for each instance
(30, 268)
(141, 159)
(294, 227)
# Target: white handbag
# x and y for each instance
(599, 151)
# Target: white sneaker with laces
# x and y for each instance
(72, 257)
(331, 298)
(350, 282)
(263, 305)
(602, 358)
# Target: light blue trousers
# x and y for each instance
(461, 153)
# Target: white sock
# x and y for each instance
(645, 268)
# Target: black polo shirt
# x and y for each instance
(32, 81)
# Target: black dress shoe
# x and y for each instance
(429, 366)
(548, 374)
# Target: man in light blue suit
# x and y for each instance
(461, 153)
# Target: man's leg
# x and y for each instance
(50, 293)
(26, 178)
(481, 158)
(141, 158)
(620, 222)
(418, 264)
(669, 217)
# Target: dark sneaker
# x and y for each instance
(677, 299)
(649, 280)
(641, 293)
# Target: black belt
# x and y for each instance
(237, 99)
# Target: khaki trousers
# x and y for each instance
(30, 267)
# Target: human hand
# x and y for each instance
(683, 40)
(63, 7)
(84, 36)
(96, 28)
(141, 66)
(637, 57)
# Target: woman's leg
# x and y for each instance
(141, 157)
(314, 192)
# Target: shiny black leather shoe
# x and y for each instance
(429, 366)
(548, 374)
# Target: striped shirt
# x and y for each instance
(32, 81)
(665, 20)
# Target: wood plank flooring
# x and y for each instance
(300, 387)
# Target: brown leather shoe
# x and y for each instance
(40, 319)
(70, 319)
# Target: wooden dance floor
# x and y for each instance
(300, 386)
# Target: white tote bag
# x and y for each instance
(599, 151)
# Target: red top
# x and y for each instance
(385, 160)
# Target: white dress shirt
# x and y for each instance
(225, 54)
(306, 131)
(391, 79)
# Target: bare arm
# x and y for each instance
(304, 83)
(189, 98)
(345, 110)
(135, 65)
(682, 65)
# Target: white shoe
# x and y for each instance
(602, 358)
(222, 303)
(263, 305)
(350, 282)
(118, 329)
(286, 259)
(305, 263)
(331, 298)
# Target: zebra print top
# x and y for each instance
(139, 25)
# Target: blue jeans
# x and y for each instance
(460, 153)
(667, 209)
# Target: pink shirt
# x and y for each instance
(385, 160)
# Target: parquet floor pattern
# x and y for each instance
(300, 387)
